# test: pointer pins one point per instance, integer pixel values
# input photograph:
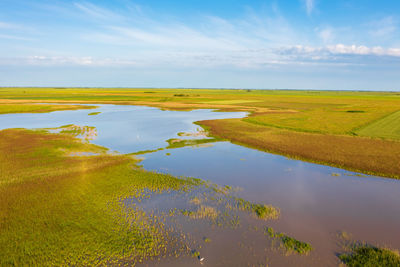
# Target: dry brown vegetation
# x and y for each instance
(375, 156)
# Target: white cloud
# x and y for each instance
(339, 49)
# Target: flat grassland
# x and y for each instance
(353, 130)
(387, 127)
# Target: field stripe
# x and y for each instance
(387, 127)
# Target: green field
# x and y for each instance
(387, 127)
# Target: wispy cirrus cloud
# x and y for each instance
(97, 12)
(309, 6)
(383, 27)
(5, 25)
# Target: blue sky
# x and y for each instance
(299, 44)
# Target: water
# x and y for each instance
(125, 129)
(314, 205)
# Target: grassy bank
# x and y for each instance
(354, 130)
(57, 210)
(6, 108)
(368, 155)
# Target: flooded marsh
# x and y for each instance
(242, 206)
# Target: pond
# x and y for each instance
(316, 202)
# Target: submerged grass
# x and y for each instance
(358, 253)
(262, 211)
(179, 143)
(289, 243)
(60, 210)
(370, 256)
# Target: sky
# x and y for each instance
(294, 44)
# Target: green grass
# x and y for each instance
(290, 244)
(369, 256)
(179, 143)
(36, 108)
(61, 210)
(262, 211)
(387, 127)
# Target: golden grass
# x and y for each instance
(373, 156)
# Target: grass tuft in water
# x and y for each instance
(262, 211)
(370, 256)
(289, 243)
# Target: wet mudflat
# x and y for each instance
(316, 202)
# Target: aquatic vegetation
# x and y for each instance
(371, 256)
(145, 151)
(203, 212)
(292, 244)
(56, 209)
(86, 133)
(289, 243)
(178, 143)
(262, 211)
(358, 253)
(199, 132)
(94, 113)
(196, 201)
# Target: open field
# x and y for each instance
(387, 127)
(332, 116)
